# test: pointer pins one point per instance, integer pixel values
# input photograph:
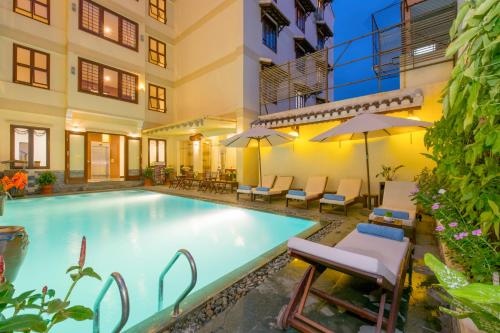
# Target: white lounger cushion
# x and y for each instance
(282, 184)
(370, 254)
(244, 191)
(411, 213)
(308, 196)
(349, 188)
(397, 196)
(336, 202)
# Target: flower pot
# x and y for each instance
(148, 182)
(388, 218)
(46, 189)
(13, 247)
(3, 197)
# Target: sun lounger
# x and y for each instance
(347, 193)
(281, 186)
(397, 198)
(267, 182)
(380, 260)
(314, 189)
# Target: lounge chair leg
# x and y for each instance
(307, 204)
(237, 196)
(320, 207)
(380, 318)
(269, 197)
(286, 202)
(345, 210)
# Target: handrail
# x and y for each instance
(122, 287)
(186, 291)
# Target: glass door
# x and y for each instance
(76, 166)
(133, 159)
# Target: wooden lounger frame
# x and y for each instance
(293, 315)
(310, 200)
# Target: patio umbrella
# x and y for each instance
(370, 125)
(261, 135)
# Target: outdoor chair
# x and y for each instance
(347, 193)
(378, 254)
(397, 200)
(314, 189)
(267, 183)
(281, 186)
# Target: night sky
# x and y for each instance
(353, 19)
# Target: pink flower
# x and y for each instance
(83, 251)
(477, 232)
(463, 234)
(435, 206)
(453, 224)
(457, 236)
(439, 228)
(2, 270)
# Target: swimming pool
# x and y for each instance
(136, 233)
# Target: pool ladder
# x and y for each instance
(186, 291)
(122, 287)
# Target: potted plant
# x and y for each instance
(148, 176)
(33, 311)
(388, 217)
(388, 173)
(46, 181)
(169, 171)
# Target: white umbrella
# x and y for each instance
(369, 125)
(266, 136)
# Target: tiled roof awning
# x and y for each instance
(308, 5)
(268, 7)
(208, 126)
(304, 44)
(392, 101)
(324, 29)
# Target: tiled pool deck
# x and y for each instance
(257, 310)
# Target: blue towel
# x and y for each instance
(335, 197)
(297, 192)
(244, 187)
(397, 214)
(262, 189)
(381, 231)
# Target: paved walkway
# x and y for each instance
(257, 311)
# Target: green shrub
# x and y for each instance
(148, 172)
(46, 178)
(465, 143)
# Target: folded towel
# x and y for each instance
(381, 231)
(244, 187)
(262, 189)
(297, 192)
(397, 214)
(336, 197)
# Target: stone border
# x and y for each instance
(229, 296)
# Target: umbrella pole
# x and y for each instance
(368, 171)
(260, 163)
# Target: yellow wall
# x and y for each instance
(347, 159)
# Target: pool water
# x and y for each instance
(136, 233)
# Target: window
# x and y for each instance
(157, 51)
(36, 9)
(157, 151)
(269, 33)
(106, 81)
(30, 145)
(109, 25)
(31, 67)
(157, 99)
(157, 10)
(321, 41)
(300, 100)
(300, 17)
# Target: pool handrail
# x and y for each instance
(122, 287)
(194, 276)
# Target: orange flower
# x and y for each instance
(20, 180)
(6, 184)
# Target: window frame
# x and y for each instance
(164, 100)
(158, 10)
(158, 43)
(101, 81)
(31, 67)
(32, 16)
(31, 154)
(266, 20)
(100, 34)
(300, 21)
(149, 151)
